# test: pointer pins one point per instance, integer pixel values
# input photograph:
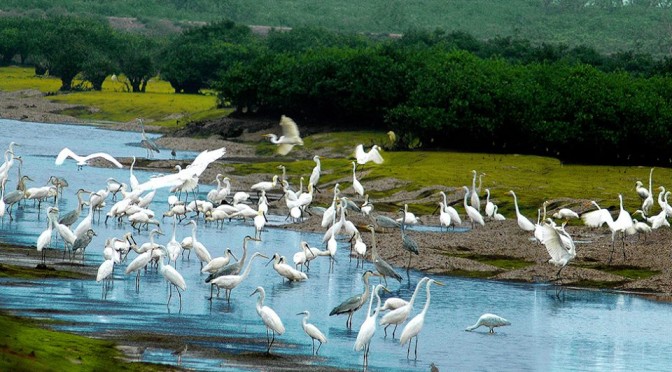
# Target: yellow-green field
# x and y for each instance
(533, 178)
(115, 103)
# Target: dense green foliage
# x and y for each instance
(436, 90)
(607, 25)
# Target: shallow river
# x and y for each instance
(584, 330)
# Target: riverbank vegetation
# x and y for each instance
(436, 90)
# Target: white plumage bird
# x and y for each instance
(312, 331)
(270, 318)
(523, 222)
(491, 321)
(290, 136)
(83, 160)
(372, 155)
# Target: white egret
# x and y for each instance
(409, 217)
(368, 328)
(229, 282)
(271, 320)
(473, 195)
(454, 216)
(372, 155)
(139, 263)
(367, 206)
(414, 326)
(399, 315)
(312, 331)
(491, 321)
(173, 247)
(356, 185)
(265, 185)
(105, 271)
(315, 174)
(498, 216)
(359, 247)
(290, 136)
(444, 217)
(174, 279)
(83, 160)
(234, 268)
(201, 251)
(473, 213)
(44, 240)
(489, 206)
(566, 214)
(622, 223)
(218, 262)
(562, 250)
(648, 201)
(259, 223)
(523, 222)
(286, 271)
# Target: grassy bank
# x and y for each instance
(26, 346)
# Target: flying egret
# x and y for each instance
(523, 222)
(473, 213)
(269, 317)
(368, 328)
(355, 302)
(491, 321)
(383, 268)
(83, 160)
(312, 331)
(414, 326)
(290, 136)
(400, 314)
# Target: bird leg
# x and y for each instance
(318, 348)
(416, 347)
(385, 329)
(409, 349)
(395, 330)
(180, 294)
(272, 340)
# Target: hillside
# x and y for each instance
(608, 26)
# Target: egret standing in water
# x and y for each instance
(271, 320)
(368, 328)
(312, 331)
(354, 303)
(489, 320)
(414, 327)
(400, 314)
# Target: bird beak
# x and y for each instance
(438, 283)
(271, 260)
(234, 256)
(252, 294)
(386, 290)
(302, 313)
(262, 255)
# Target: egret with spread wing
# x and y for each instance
(290, 136)
(83, 160)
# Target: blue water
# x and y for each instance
(585, 330)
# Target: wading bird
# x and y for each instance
(312, 331)
(414, 326)
(271, 320)
(523, 222)
(491, 321)
(400, 314)
(368, 328)
(383, 268)
(355, 302)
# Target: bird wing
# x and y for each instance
(65, 153)
(375, 156)
(147, 143)
(551, 240)
(597, 218)
(289, 128)
(272, 320)
(285, 148)
(360, 155)
(105, 156)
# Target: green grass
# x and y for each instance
(25, 346)
(502, 262)
(629, 272)
(113, 103)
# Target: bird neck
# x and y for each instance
(415, 293)
(429, 296)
